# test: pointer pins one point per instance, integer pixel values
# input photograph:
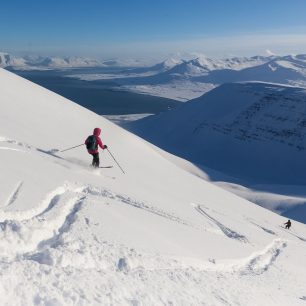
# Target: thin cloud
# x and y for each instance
(239, 45)
(210, 46)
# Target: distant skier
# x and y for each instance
(288, 224)
(93, 142)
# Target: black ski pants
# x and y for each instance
(95, 160)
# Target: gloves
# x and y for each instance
(105, 147)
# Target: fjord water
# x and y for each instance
(102, 97)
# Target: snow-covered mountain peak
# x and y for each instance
(4, 57)
(165, 65)
(203, 66)
(9, 60)
(301, 57)
(201, 61)
(287, 69)
(171, 62)
(198, 66)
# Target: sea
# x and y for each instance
(103, 97)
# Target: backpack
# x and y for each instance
(91, 143)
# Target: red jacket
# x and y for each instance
(100, 144)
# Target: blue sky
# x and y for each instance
(134, 28)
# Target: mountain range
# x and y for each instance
(46, 62)
(290, 69)
(282, 69)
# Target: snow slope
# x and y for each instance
(155, 236)
(254, 131)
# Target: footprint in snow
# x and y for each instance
(123, 265)
(303, 298)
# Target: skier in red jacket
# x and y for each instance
(93, 142)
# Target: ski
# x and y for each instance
(106, 167)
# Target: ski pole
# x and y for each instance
(73, 147)
(114, 159)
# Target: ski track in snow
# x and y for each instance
(11, 149)
(33, 233)
(27, 146)
(14, 196)
(153, 210)
(42, 252)
(43, 237)
(303, 298)
(134, 203)
(260, 262)
(20, 237)
(17, 215)
(12, 141)
(293, 234)
(255, 264)
(54, 196)
(42, 227)
(50, 153)
(263, 228)
(33, 237)
(274, 233)
(224, 229)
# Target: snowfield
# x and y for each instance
(71, 235)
